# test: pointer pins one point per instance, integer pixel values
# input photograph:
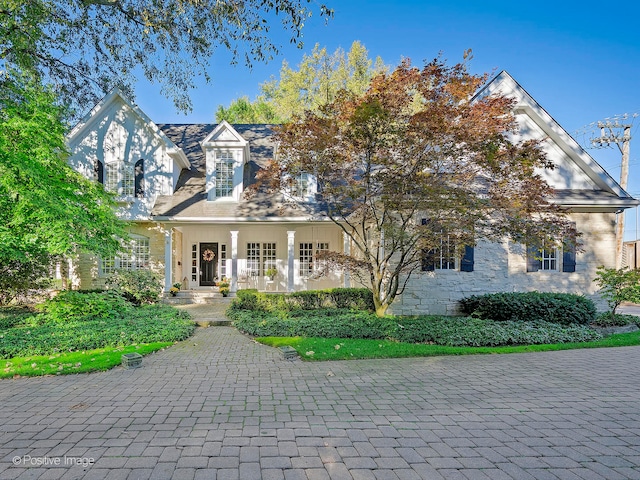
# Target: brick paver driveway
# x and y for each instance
(221, 406)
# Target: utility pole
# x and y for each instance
(621, 137)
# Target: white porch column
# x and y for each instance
(290, 259)
(234, 261)
(168, 261)
(346, 248)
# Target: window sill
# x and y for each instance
(222, 200)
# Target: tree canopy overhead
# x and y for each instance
(416, 164)
(47, 210)
(314, 82)
(85, 47)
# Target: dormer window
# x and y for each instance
(226, 153)
(302, 187)
(224, 173)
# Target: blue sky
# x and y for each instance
(579, 60)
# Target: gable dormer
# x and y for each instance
(226, 153)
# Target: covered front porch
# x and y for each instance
(267, 256)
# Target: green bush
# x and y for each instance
(606, 319)
(76, 305)
(352, 298)
(44, 335)
(618, 286)
(561, 308)
(453, 331)
(137, 286)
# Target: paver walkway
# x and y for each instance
(220, 406)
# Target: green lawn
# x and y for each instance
(315, 349)
(73, 362)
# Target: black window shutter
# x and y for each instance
(569, 259)
(569, 256)
(466, 265)
(98, 171)
(139, 178)
(534, 262)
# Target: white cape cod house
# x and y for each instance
(181, 187)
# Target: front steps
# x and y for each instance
(206, 308)
(187, 297)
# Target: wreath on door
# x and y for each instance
(208, 255)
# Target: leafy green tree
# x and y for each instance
(618, 286)
(47, 210)
(242, 110)
(316, 81)
(412, 163)
(86, 47)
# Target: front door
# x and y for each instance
(208, 264)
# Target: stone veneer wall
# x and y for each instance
(86, 268)
(501, 267)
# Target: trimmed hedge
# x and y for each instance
(561, 308)
(349, 298)
(452, 331)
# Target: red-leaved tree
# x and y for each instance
(415, 158)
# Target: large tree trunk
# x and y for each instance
(380, 306)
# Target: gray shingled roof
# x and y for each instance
(189, 199)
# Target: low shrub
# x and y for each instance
(75, 305)
(453, 331)
(561, 308)
(606, 319)
(350, 298)
(45, 335)
(137, 286)
(10, 316)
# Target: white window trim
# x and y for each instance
(232, 156)
(548, 258)
(309, 266)
(441, 259)
(125, 178)
(131, 251)
(290, 190)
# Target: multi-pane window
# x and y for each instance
(300, 187)
(260, 258)
(108, 265)
(224, 174)
(194, 262)
(253, 259)
(303, 186)
(120, 179)
(549, 259)
(319, 265)
(135, 256)
(305, 259)
(128, 181)
(112, 179)
(268, 256)
(223, 261)
(443, 257)
(308, 262)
